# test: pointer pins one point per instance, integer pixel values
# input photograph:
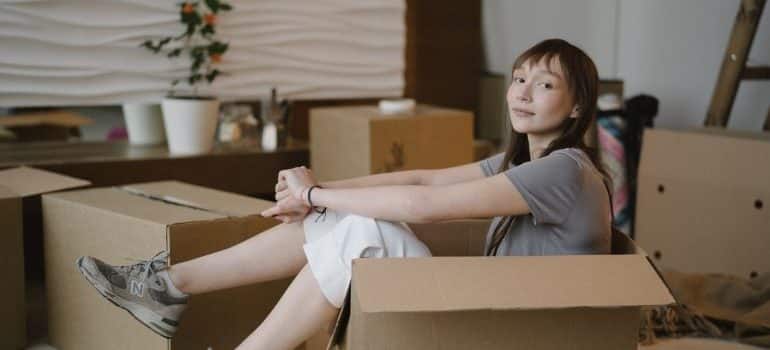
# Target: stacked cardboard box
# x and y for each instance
(138, 221)
(19, 188)
(353, 141)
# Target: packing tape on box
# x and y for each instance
(397, 106)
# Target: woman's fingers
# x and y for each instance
(280, 186)
(287, 205)
(282, 194)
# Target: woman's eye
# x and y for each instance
(518, 80)
(546, 85)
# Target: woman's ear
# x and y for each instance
(575, 112)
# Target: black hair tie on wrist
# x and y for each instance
(310, 202)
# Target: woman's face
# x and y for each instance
(539, 99)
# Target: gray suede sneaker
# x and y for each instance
(139, 290)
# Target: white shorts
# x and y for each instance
(333, 240)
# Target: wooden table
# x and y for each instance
(242, 169)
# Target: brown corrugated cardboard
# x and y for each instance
(12, 323)
(703, 200)
(16, 184)
(138, 221)
(44, 125)
(554, 302)
(354, 141)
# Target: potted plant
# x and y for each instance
(144, 123)
(190, 119)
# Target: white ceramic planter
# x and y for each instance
(190, 124)
(144, 123)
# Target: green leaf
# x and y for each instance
(196, 65)
(196, 18)
(194, 79)
(217, 47)
(213, 5)
(225, 7)
(207, 30)
(212, 75)
(175, 53)
(147, 44)
(191, 18)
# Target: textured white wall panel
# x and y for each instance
(84, 52)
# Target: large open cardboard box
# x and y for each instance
(703, 202)
(459, 300)
(138, 221)
(19, 206)
(351, 141)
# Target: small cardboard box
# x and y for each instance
(19, 188)
(52, 125)
(703, 203)
(138, 221)
(532, 302)
(353, 141)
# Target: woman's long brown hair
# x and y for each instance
(582, 79)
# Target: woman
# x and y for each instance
(546, 193)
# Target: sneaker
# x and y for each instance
(138, 289)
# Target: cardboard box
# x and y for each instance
(52, 125)
(353, 141)
(18, 190)
(703, 203)
(138, 221)
(534, 303)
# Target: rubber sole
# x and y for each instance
(137, 311)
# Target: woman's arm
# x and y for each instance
(482, 198)
(445, 176)
(406, 177)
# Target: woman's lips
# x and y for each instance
(521, 113)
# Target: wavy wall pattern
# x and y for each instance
(85, 52)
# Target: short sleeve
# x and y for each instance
(550, 186)
(490, 165)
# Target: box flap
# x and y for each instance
(710, 149)
(124, 203)
(702, 199)
(504, 283)
(30, 181)
(7, 193)
(56, 118)
(180, 193)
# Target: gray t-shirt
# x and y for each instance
(568, 201)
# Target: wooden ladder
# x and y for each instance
(734, 67)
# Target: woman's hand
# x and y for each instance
(288, 210)
(290, 204)
(297, 180)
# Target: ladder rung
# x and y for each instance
(758, 72)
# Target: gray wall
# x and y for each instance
(669, 49)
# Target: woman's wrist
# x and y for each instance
(311, 192)
(303, 195)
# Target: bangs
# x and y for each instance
(546, 52)
(533, 58)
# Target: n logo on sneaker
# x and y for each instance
(136, 288)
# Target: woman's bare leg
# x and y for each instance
(300, 314)
(273, 254)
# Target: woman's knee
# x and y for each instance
(364, 237)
